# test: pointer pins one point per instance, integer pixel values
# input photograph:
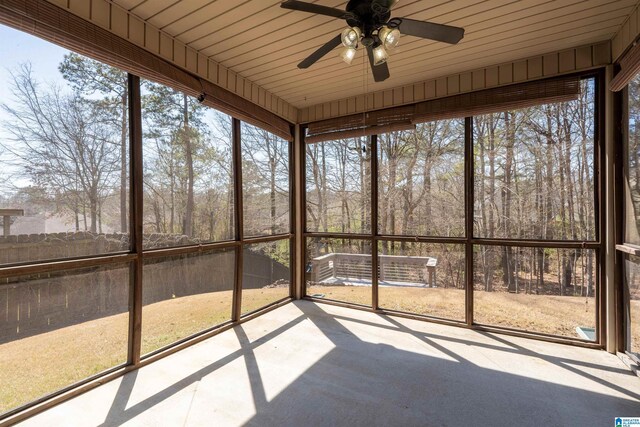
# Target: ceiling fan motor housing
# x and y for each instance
(368, 15)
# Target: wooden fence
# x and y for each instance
(39, 303)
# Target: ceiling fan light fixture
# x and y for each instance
(348, 54)
(389, 37)
(350, 37)
(370, 23)
(380, 55)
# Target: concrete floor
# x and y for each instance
(307, 364)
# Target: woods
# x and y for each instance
(66, 144)
(66, 157)
(534, 179)
(187, 166)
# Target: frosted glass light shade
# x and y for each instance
(379, 55)
(389, 37)
(350, 36)
(348, 54)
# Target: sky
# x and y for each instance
(17, 48)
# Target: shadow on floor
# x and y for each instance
(360, 383)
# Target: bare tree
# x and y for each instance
(91, 77)
(62, 141)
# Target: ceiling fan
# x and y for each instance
(371, 25)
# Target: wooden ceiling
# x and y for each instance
(263, 42)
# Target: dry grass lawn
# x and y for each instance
(253, 299)
(539, 313)
(38, 365)
(635, 331)
(168, 321)
(34, 366)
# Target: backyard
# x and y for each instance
(37, 365)
(41, 364)
(539, 313)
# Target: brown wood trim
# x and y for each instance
(236, 311)
(420, 239)
(339, 236)
(461, 240)
(485, 101)
(293, 217)
(59, 26)
(567, 244)
(297, 225)
(469, 173)
(621, 119)
(373, 158)
(600, 211)
(303, 210)
(135, 220)
(366, 131)
(182, 250)
(267, 239)
(629, 66)
(73, 264)
(54, 260)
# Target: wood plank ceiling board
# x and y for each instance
(627, 35)
(490, 53)
(129, 4)
(149, 8)
(440, 64)
(475, 35)
(328, 69)
(263, 43)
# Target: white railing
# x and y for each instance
(391, 268)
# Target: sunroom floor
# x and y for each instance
(307, 364)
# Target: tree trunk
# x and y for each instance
(322, 208)
(188, 151)
(393, 193)
(508, 260)
(123, 162)
(172, 196)
(272, 193)
(158, 215)
(312, 154)
(93, 211)
(492, 176)
(230, 204)
(428, 221)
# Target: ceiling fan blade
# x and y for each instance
(429, 30)
(313, 8)
(380, 72)
(324, 49)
